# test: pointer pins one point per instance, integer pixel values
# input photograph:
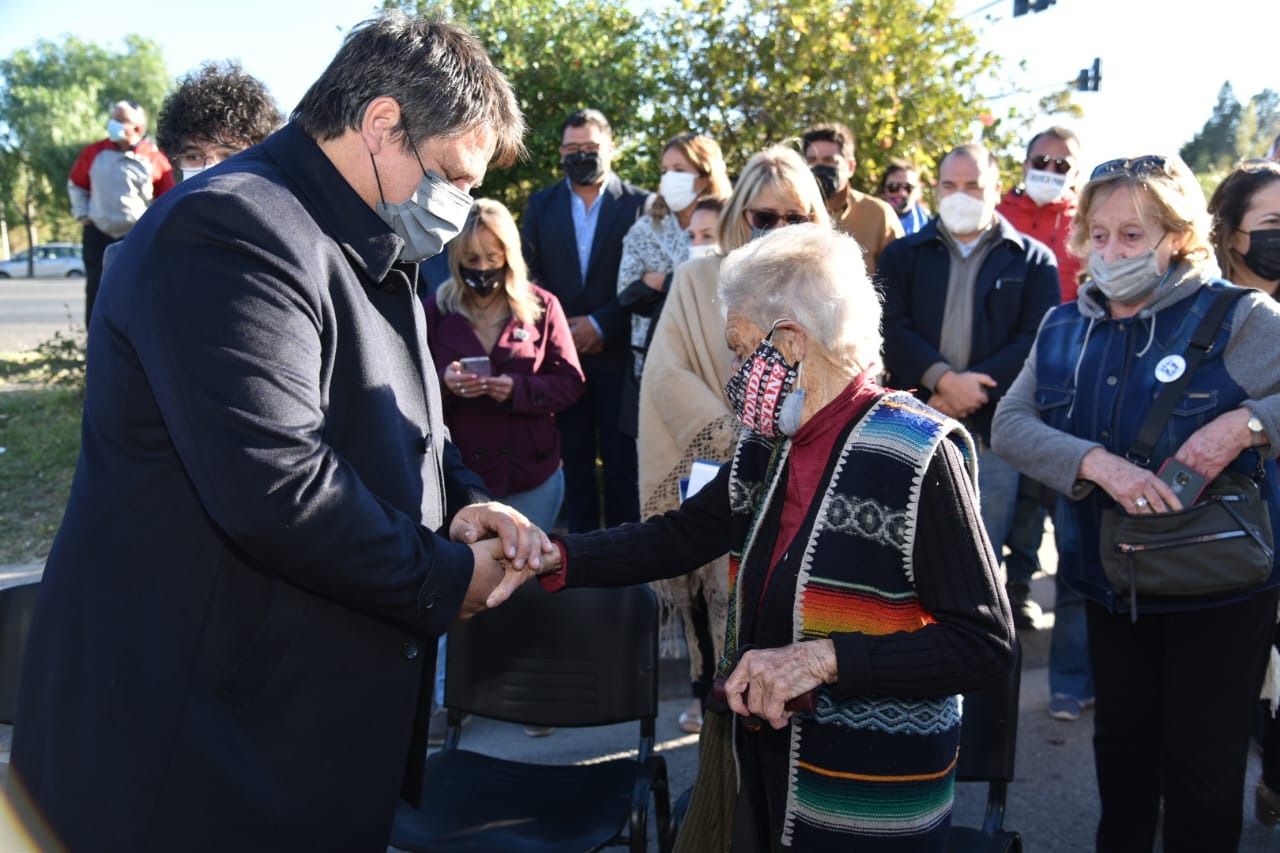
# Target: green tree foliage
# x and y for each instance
(903, 74)
(54, 99)
(592, 54)
(1214, 147)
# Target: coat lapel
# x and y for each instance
(562, 213)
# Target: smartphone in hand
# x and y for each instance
(1186, 483)
(479, 365)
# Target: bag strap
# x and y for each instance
(1144, 443)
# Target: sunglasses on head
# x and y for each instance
(899, 187)
(1044, 163)
(1150, 164)
(767, 219)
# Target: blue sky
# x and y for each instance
(1161, 67)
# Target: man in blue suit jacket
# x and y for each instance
(229, 650)
(573, 234)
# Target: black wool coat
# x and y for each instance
(229, 645)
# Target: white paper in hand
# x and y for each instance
(700, 474)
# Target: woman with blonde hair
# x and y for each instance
(1177, 665)
(693, 169)
(684, 413)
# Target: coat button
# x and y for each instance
(410, 650)
(1111, 380)
(426, 444)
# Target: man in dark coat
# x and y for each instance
(230, 646)
(572, 234)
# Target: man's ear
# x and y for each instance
(380, 125)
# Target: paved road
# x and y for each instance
(32, 310)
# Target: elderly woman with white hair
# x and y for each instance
(864, 593)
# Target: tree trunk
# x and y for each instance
(29, 219)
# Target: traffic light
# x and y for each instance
(1022, 7)
(1088, 78)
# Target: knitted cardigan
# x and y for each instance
(875, 772)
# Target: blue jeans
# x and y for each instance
(998, 496)
(1070, 673)
(1025, 534)
(540, 505)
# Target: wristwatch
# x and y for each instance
(1256, 431)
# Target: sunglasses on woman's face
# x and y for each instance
(1044, 163)
(1150, 164)
(899, 187)
(768, 219)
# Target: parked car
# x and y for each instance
(53, 260)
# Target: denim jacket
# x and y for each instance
(1096, 378)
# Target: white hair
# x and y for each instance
(814, 276)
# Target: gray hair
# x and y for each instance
(438, 73)
(814, 276)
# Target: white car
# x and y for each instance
(53, 260)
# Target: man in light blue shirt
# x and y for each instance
(572, 233)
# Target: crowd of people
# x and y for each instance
(338, 399)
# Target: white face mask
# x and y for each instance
(188, 174)
(1045, 187)
(115, 130)
(962, 213)
(702, 251)
(676, 189)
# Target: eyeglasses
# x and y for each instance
(1043, 162)
(1149, 164)
(766, 220)
(575, 148)
(899, 187)
(200, 158)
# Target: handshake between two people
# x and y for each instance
(508, 550)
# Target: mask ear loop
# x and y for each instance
(382, 198)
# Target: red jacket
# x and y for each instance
(114, 187)
(514, 445)
(1051, 225)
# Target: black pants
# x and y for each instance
(95, 244)
(587, 427)
(1176, 696)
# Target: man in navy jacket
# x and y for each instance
(573, 234)
(229, 647)
(964, 297)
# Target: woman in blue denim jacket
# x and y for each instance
(1175, 689)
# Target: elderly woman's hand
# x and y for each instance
(766, 679)
(1134, 489)
(1215, 445)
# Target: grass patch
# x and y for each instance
(41, 398)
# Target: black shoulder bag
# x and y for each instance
(1221, 546)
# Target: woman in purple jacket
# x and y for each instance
(501, 414)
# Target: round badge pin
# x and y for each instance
(1170, 368)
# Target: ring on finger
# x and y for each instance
(1141, 503)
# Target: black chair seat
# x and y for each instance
(480, 803)
(965, 839)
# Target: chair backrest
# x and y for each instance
(17, 606)
(581, 657)
(989, 728)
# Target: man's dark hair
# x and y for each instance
(1062, 134)
(898, 164)
(581, 118)
(831, 131)
(217, 103)
(438, 73)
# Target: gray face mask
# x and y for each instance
(1128, 280)
(429, 218)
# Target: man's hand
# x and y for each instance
(962, 393)
(1215, 445)
(655, 280)
(523, 544)
(585, 337)
(1135, 489)
(493, 579)
(766, 679)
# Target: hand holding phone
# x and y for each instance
(479, 365)
(1186, 483)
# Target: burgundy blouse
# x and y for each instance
(513, 445)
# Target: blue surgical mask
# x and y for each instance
(115, 130)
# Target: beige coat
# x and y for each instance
(684, 416)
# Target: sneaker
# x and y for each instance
(1064, 707)
(1026, 613)
(438, 726)
(538, 731)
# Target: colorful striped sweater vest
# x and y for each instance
(876, 771)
